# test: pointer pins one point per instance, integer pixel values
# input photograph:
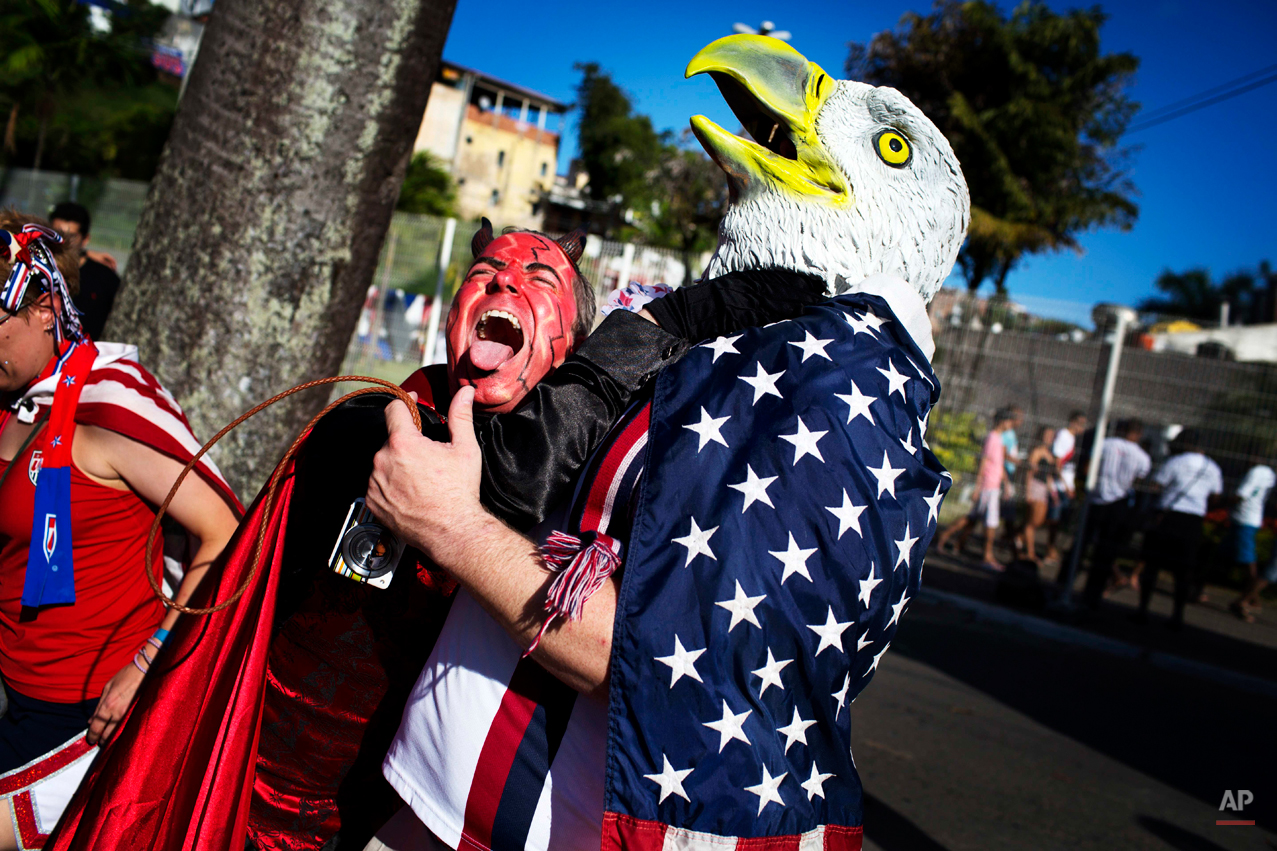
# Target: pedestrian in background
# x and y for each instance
(1039, 490)
(989, 479)
(1064, 448)
(1248, 516)
(1110, 514)
(1188, 481)
(98, 281)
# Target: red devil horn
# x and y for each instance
(482, 238)
(573, 245)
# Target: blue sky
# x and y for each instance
(1207, 181)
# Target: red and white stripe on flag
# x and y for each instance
(626, 833)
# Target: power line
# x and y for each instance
(1151, 114)
(1192, 104)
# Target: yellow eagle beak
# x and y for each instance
(776, 94)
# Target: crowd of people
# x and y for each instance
(1166, 503)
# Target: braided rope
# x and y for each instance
(271, 488)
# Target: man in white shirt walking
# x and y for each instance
(1188, 480)
(1248, 516)
(1064, 448)
(1122, 463)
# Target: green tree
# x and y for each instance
(78, 100)
(428, 188)
(619, 149)
(1193, 294)
(1035, 112)
(690, 193)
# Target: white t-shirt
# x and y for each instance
(1187, 481)
(1062, 448)
(1253, 491)
(470, 752)
(1122, 461)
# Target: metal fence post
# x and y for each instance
(1124, 316)
(445, 257)
(627, 260)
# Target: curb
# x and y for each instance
(1112, 646)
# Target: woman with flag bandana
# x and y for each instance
(89, 444)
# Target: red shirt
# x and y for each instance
(65, 654)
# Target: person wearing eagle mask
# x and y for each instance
(90, 442)
(673, 667)
(318, 667)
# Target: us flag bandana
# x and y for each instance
(787, 502)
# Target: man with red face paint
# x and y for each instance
(345, 656)
(514, 319)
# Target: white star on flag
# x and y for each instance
(814, 785)
(697, 542)
(904, 547)
(868, 584)
(873, 321)
(907, 443)
(795, 730)
(754, 488)
(857, 404)
(848, 515)
(794, 559)
(742, 607)
(682, 663)
(898, 609)
(863, 641)
(840, 696)
(767, 790)
(886, 476)
(770, 673)
(730, 727)
(670, 781)
(805, 441)
(763, 382)
(721, 346)
(933, 504)
(811, 346)
(830, 633)
(858, 324)
(873, 666)
(895, 380)
(709, 428)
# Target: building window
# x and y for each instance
(496, 197)
(500, 158)
(544, 167)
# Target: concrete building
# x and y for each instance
(500, 141)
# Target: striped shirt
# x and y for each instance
(1122, 461)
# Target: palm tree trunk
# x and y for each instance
(39, 140)
(266, 216)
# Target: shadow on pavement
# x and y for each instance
(1177, 837)
(1113, 620)
(1189, 734)
(893, 832)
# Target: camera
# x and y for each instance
(366, 551)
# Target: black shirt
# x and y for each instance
(97, 293)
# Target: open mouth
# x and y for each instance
(765, 128)
(497, 337)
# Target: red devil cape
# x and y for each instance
(179, 773)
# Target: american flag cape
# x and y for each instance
(787, 501)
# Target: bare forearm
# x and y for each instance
(577, 652)
(204, 556)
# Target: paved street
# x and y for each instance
(976, 735)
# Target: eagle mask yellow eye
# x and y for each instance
(893, 148)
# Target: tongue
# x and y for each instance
(487, 355)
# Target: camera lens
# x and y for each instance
(370, 550)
